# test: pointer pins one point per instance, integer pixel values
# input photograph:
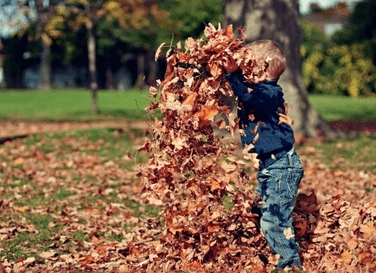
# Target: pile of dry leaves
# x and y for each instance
(206, 198)
(186, 172)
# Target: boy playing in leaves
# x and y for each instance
(266, 133)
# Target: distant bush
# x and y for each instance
(355, 73)
(333, 69)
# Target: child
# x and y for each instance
(262, 112)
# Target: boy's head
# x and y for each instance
(266, 51)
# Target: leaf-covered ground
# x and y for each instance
(72, 200)
(69, 202)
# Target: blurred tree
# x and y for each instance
(142, 24)
(14, 47)
(184, 19)
(70, 47)
(311, 36)
(314, 43)
(339, 70)
(279, 20)
(315, 7)
(38, 13)
(361, 26)
(345, 68)
(132, 20)
(2, 80)
(43, 33)
(78, 13)
(193, 16)
(354, 70)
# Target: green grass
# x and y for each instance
(344, 108)
(72, 105)
(76, 105)
(25, 243)
(356, 153)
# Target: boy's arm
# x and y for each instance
(264, 97)
(240, 90)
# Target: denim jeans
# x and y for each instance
(278, 188)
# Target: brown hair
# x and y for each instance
(271, 55)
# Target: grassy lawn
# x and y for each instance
(72, 105)
(344, 108)
(354, 153)
(76, 105)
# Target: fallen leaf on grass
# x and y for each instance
(22, 209)
(49, 254)
(18, 161)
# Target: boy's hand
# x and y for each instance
(235, 78)
(236, 82)
(230, 65)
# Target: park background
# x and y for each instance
(72, 120)
(51, 52)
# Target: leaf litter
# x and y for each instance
(195, 176)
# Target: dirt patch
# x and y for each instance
(358, 126)
(14, 129)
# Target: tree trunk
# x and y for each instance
(14, 63)
(2, 74)
(45, 67)
(2, 78)
(279, 20)
(140, 71)
(110, 79)
(45, 63)
(92, 67)
(153, 66)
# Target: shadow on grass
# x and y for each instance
(5, 139)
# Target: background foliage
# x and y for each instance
(342, 64)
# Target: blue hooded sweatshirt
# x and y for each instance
(259, 118)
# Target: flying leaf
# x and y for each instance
(229, 32)
(153, 91)
(285, 119)
(189, 44)
(288, 233)
(215, 70)
(207, 114)
(228, 167)
(221, 124)
(190, 100)
(179, 143)
(230, 65)
(346, 256)
(158, 51)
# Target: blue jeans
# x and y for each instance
(278, 188)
